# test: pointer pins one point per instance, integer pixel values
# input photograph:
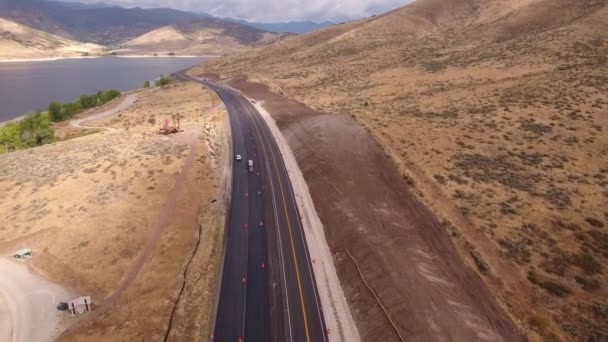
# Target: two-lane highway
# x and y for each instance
(268, 289)
(237, 304)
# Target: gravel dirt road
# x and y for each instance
(125, 103)
(27, 301)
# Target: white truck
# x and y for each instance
(250, 165)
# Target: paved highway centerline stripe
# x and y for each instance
(299, 224)
(280, 243)
(293, 251)
(308, 258)
(240, 136)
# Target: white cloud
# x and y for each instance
(271, 10)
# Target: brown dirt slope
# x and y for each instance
(374, 223)
(495, 112)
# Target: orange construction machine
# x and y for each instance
(169, 127)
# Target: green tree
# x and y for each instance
(163, 81)
(69, 109)
(55, 111)
(87, 101)
(36, 129)
(10, 137)
(113, 93)
(147, 84)
(108, 95)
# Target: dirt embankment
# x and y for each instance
(496, 112)
(415, 277)
(338, 317)
(117, 214)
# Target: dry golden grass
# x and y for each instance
(497, 112)
(88, 206)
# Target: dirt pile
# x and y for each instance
(495, 112)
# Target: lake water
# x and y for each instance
(26, 86)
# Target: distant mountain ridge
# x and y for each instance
(21, 42)
(100, 25)
(211, 37)
(298, 27)
(113, 25)
(80, 5)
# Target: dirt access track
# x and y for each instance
(395, 261)
(27, 304)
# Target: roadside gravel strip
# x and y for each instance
(226, 198)
(338, 318)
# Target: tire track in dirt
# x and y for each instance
(153, 238)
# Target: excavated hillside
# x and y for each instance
(496, 113)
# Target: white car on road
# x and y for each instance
(238, 157)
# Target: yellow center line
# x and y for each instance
(293, 250)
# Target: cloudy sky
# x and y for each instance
(271, 10)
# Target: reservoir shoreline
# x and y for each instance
(50, 59)
(30, 85)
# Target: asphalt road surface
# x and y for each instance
(268, 290)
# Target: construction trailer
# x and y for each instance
(23, 254)
(80, 305)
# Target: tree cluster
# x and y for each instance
(163, 81)
(63, 111)
(34, 129)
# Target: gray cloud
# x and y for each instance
(271, 10)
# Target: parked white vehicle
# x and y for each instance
(238, 157)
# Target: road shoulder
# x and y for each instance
(336, 311)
